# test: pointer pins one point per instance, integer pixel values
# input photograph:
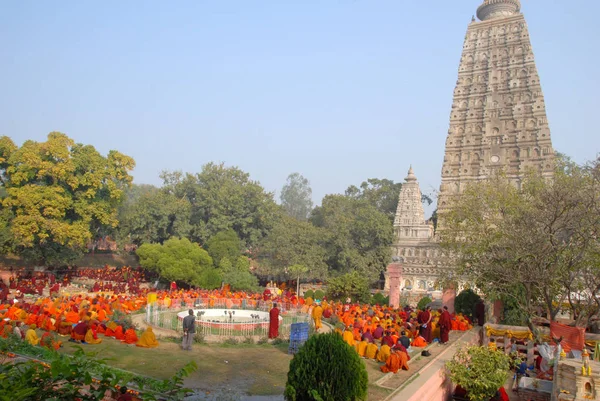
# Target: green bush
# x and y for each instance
(465, 302)
(379, 299)
(480, 371)
(326, 369)
(319, 294)
(423, 303)
(309, 294)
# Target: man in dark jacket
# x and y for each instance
(189, 328)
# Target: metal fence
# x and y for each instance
(167, 317)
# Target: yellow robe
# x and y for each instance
(89, 338)
(362, 348)
(384, 353)
(371, 351)
(317, 312)
(31, 337)
(147, 339)
(348, 337)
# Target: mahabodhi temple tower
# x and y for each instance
(497, 123)
(498, 119)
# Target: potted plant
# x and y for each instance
(480, 371)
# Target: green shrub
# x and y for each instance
(309, 294)
(248, 340)
(479, 370)
(262, 340)
(327, 369)
(319, 294)
(423, 303)
(465, 302)
(199, 338)
(379, 299)
(231, 341)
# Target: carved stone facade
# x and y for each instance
(498, 119)
(498, 123)
(414, 244)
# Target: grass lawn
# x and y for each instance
(254, 369)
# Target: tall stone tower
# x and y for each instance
(498, 119)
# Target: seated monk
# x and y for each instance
(63, 327)
(130, 336)
(91, 337)
(397, 360)
(147, 339)
(362, 348)
(419, 342)
(110, 329)
(31, 336)
(72, 317)
(119, 335)
(384, 353)
(49, 342)
(79, 331)
(371, 351)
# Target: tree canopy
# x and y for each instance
(536, 245)
(296, 197)
(180, 260)
(59, 195)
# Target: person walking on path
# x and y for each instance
(189, 329)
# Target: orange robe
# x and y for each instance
(396, 361)
(119, 335)
(419, 342)
(147, 339)
(130, 337)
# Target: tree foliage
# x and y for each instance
(59, 195)
(465, 302)
(423, 302)
(536, 245)
(223, 198)
(481, 371)
(225, 244)
(237, 274)
(296, 197)
(350, 285)
(293, 242)
(326, 369)
(178, 260)
(358, 236)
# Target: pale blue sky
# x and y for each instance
(338, 90)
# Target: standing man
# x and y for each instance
(317, 312)
(189, 329)
(274, 322)
(445, 325)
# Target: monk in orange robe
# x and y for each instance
(130, 337)
(147, 339)
(110, 329)
(48, 341)
(119, 335)
(393, 363)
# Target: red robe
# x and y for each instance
(445, 326)
(274, 323)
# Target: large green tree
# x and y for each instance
(296, 197)
(180, 260)
(223, 198)
(358, 235)
(225, 244)
(59, 195)
(152, 215)
(536, 245)
(237, 274)
(293, 242)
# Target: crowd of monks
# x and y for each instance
(385, 334)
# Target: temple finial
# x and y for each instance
(491, 9)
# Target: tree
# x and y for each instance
(237, 274)
(536, 245)
(178, 260)
(350, 285)
(326, 368)
(223, 198)
(296, 197)
(59, 195)
(225, 244)
(293, 242)
(481, 371)
(423, 302)
(359, 237)
(151, 215)
(465, 302)
(296, 271)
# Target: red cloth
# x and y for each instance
(274, 323)
(445, 326)
(573, 337)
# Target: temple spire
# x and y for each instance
(491, 9)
